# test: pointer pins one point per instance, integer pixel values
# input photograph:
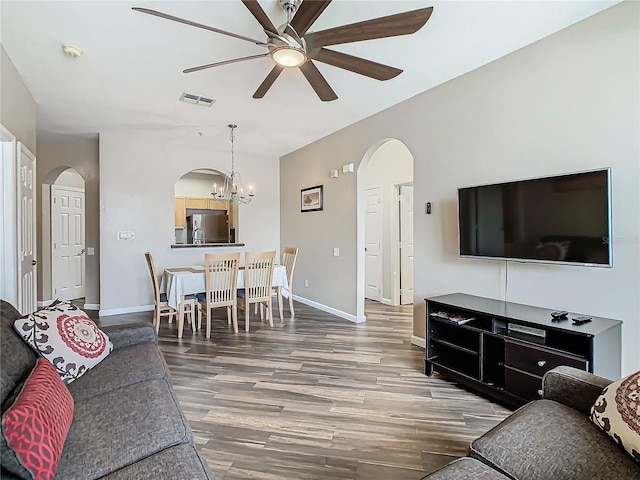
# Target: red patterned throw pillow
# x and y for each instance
(617, 412)
(64, 335)
(36, 425)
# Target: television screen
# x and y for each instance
(563, 219)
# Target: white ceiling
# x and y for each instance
(130, 75)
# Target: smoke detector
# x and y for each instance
(71, 51)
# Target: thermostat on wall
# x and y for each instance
(125, 235)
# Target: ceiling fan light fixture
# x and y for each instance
(289, 56)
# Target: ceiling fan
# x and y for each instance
(291, 45)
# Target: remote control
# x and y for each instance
(580, 320)
(559, 315)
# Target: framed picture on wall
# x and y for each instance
(311, 199)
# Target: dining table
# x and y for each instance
(180, 281)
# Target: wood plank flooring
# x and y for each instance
(318, 397)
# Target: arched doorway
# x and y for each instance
(63, 235)
(385, 225)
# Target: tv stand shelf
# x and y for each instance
(503, 349)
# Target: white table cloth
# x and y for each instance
(179, 281)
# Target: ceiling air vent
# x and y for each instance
(196, 99)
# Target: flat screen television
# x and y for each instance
(560, 219)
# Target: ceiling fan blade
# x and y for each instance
(195, 24)
(356, 64)
(318, 82)
(257, 11)
(225, 62)
(266, 84)
(308, 12)
(391, 26)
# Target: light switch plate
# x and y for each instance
(91, 251)
(336, 252)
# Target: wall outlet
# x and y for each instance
(306, 283)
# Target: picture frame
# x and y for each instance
(311, 199)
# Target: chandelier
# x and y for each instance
(232, 192)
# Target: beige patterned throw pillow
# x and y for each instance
(617, 412)
(64, 335)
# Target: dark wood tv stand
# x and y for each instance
(503, 349)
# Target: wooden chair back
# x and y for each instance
(221, 278)
(154, 278)
(289, 255)
(161, 308)
(258, 275)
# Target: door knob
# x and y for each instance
(82, 251)
(542, 363)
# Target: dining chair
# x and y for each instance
(289, 256)
(221, 284)
(258, 278)
(161, 307)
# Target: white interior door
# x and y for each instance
(373, 244)
(8, 228)
(406, 244)
(27, 268)
(67, 242)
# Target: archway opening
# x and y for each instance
(385, 225)
(63, 235)
(193, 195)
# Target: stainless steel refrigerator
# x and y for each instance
(208, 228)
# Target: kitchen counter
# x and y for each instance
(206, 245)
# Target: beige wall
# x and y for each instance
(56, 153)
(17, 106)
(138, 172)
(566, 103)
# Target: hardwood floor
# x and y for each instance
(318, 397)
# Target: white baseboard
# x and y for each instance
(44, 303)
(120, 311)
(333, 311)
(420, 342)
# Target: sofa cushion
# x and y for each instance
(35, 427)
(123, 367)
(181, 462)
(64, 335)
(465, 469)
(127, 334)
(546, 439)
(118, 428)
(16, 358)
(617, 413)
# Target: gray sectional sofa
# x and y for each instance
(127, 422)
(548, 439)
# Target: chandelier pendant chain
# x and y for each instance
(232, 192)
